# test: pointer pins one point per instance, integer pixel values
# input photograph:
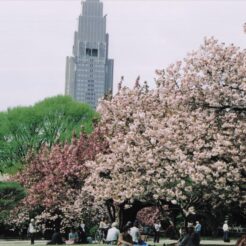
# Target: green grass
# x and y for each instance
(167, 242)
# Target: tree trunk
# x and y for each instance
(130, 214)
(122, 214)
(111, 211)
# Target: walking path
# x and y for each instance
(217, 242)
(202, 243)
(20, 242)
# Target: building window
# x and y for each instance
(94, 52)
(88, 52)
(91, 52)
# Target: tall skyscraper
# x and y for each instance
(89, 72)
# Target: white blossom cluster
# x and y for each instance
(184, 141)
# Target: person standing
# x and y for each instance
(171, 231)
(157, 227)
(32, 230)
(226, 231)
(103, 227)
(182, 233)
(82, 232)
(197, 236)
(82, 225)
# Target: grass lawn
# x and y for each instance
(167, 242)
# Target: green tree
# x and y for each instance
(10, 194)
(50, 121)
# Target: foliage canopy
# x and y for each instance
(10, 194)
(50, 121)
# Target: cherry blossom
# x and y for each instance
(182, 141)
(53, 180)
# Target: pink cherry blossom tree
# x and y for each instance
(182, 143)
(53, 180)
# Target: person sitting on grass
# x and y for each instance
(241, 241)
(56, 238)
(73, 237)
(135, 233)
(188, 238)
(113, 234)
(136, 236)
(125, 239)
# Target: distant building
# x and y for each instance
(89, 72)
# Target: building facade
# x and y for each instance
(89, 72)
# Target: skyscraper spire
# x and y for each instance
(89, 72)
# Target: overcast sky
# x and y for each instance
(37, 35)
